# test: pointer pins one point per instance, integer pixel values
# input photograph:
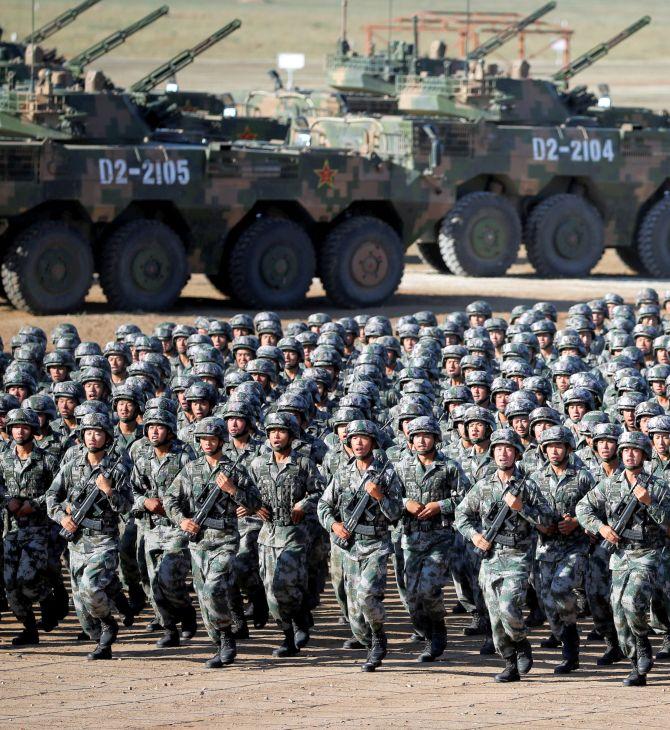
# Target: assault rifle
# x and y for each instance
(623, 512)
(92, 491)
(501, 515)
(362, 503)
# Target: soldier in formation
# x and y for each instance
(523, 458)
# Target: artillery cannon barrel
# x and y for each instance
(113, 40)
(183, 59)
(602, 49)
(501, 38)
(59, 22)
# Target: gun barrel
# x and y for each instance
(113, 40)
(183, 59)
(59, 22)
(602, 49)
(505, 35)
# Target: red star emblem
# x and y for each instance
(248, 134)
(326, 176)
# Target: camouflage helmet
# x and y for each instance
(41, 404)
(318, 375)
(578, 395)
(425, 318)
(349, 325)
(261, 366)
(508, 437)
(457, 414)
(201, 391)
(160, 417)
(309, 339)
(477, 413)
(519, 407)
(408, 330)
(411, 373)
(658, 424)
(635, 440)
(557, 435)
(118, 348)
(146, 371)
(454, 352)
(478, 377)
(326, 356)
(58, 358)
(456, 394)
(317, 319)
(238, 408)
(63, 329)
(544, 414)
(242, 322)
(19, 377)
(648, 408)
(269, 327)
(282, 421)
(95, 361)
(291, 344)
(606, 432)
(514, 368)
(88, 375)
(210, 426)
(180, 383)
(629, 401)
(68, 389)
(345, 415)
(538, 384)
(123, 330)
(293, 329)
(424, 424)
(86, 348)
(479, 307)
(646, 295)
(8, 402)
(161, 401)
(210, 370)
(613, 298)
(495, 324)
(565, 365)
(407, 411)
(378, 327)
(271, 353)
(245, 342)
(356, 400)
(361, 428)
(22, 417)
(503, 385)
(123, 391)
(235, 378)
(293, 402)
(163, 331)
(160, 362)
(546, 309)
(543, 327)
(220, 327)
(97, 421)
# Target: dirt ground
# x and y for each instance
(147, 687)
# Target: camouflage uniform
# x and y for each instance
(94, 551)
(505, 568)
(26, 541)
(214, 549)
(428, 544)
(165, 546)
(281, 544)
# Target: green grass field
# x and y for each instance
(637, 70)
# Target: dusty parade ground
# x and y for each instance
(147, 687)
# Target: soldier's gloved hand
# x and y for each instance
(642, 495)
(568, 524)
(242, 512)
(478, 540)
(414, 507)
(513, 502)
(608, 533)
(264, 514)
(340, 530)
(25, 510)
(374, 490)
(189, 526)
(297, 514)
(225, 484)
(432, 509)
(104, 484)
(69, 524)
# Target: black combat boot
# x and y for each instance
(49, 611)
(287, 647)
(228, 650)
(236, 607)
(82, 636)
(437, 643)
(612, 653)
(595, 635)
(488, 648)
(477, 626)
(570, 636)
(510, 673)
(189, 624)
(137, 599)
(524, 656)
(301, 630)
(551, 642)
(664, 651)
(353, 644)
(215, 662)
(169, 638)
(645, 658)
(109, 630)
(28, 636)
(416, 637)
(458, 609)
(260, 612)
(377, 652)
(635, 679)
(124, 608)
(153, 625)
(100, 652)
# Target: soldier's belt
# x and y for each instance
(506, 539)
(636, 535)
(426, 526)
(215, 524)
(370, 531)
(92, 524)
(282, 522)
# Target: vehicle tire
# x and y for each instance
(653, 240)
(430, 254)
(480, 236)
(564, 236)
(48, 269)
(361, 262)
(143, 266)
(272, 264)
(631, 258)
